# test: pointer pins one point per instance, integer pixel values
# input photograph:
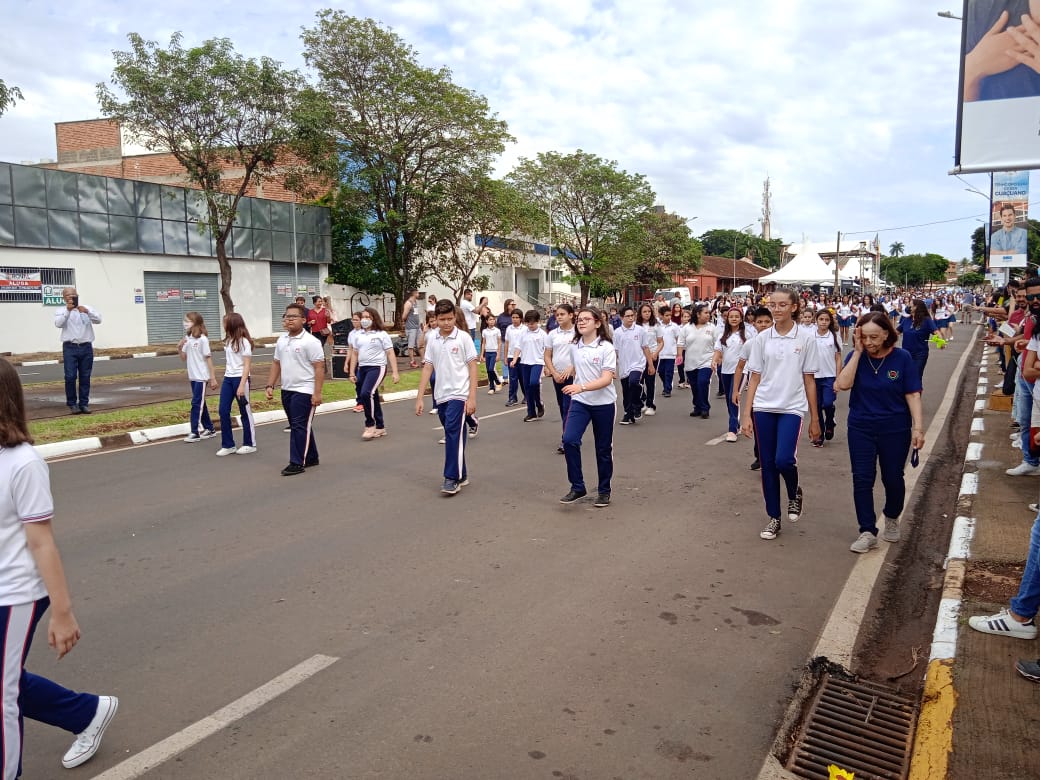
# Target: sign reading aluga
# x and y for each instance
(998, 107)
(1009, 232)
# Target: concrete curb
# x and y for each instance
(933, 737)
(160, 352)
(65, 449)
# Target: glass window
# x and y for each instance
(324, 222)
(324, 252)
(244, 214)
(124, 233)
(261, 213)
(121, 197)
(306, 219)
(149, 197)
(93, 194)
(199, 241)
(61, 190)
(6, 226)
(304, 247)
(243, 242)
(175, 237)
(150, 236)
(198, 211)
(30, 226)
(29, 189)
(93, 232)
(262, 245)
(173, 203)
(64, 229)
(281, 215)
(282, 245)
(5, 183)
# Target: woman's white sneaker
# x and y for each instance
(89, 740)
(226, 451)
(1003, 624)
(246, 449)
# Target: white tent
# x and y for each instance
(805, 268)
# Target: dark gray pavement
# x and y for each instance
(496, 634)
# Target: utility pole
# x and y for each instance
(767, 211)
(837, 254)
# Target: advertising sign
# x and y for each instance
(20, 282)
(1009, 226)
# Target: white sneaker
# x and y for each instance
(891, 532)
(491, 391)
(1023, 469)
(441, 441)
(246, 449)
(207, 434)
(650, 411)
(865, 542)
(432, 411)
(1016, 444)
(89, 740)
(731, 437)
(1003, 624)
(191, 438)
(226, 451)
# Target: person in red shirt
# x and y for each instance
(319, 320)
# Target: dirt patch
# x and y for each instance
(896, 637)
(992, 582)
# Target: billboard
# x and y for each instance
(998, 107)
(1009, 220)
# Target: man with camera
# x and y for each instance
(77, 323)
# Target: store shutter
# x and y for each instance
(283, 288)
(168, 296)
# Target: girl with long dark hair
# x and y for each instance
(727, 355)
(238, 357)
(373, 352)
(645, 316)
(917, 329)
(828, 352)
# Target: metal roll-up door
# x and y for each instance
(168, 296)
(284, 288)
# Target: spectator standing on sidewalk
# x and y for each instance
(77, 323)
(412, 325)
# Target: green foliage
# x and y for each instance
(914, 269)
(721, 242)
(212, 109)
(971, 279)
(406, 136)
(896, 249)
(595, 210)
(8, 97)
(978, 247)
(653, 247)
(354, 262)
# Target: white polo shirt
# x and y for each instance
(491, 337)
(629, 343)
(670, 335)
(450, 357)
(296, 355)
(371, 346)
(558, 344)
(196, 350)
(77, 327)
(532, 346)
(590, 361)
(26, 498)
(731, 349)
(781, 363)
(470, 313)
(698, 343)
(513, 334)
(234, 362)
(825, 352)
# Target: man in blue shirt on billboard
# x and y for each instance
(1008, 240)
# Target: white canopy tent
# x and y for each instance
(806, 267)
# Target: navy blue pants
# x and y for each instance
(36, 697)
(868, 449)
(452, 414)
(532, 380)
(632, 394)
(303, 449)
(666, 370)
(77, 361)
(777, 437)
(578, 418)
(563, 399)
(650, 387)
(681, 368)
(369, 379)
(732, 408)
(825, 400)
(921, 360)
(228, 395)
(700, 384)
(199, 408)
(490, 358)
(516, 379)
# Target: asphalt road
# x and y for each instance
(495, 634)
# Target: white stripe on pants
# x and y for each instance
(16, 635)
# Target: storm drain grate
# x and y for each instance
(857, 726)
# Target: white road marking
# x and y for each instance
(716, 440)
(974, 451)
(980, 405)
(978, 425)
(969, 484)
(28, 373)
(151, 757)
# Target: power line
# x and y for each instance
(923, 224)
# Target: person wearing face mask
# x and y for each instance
(373, 352)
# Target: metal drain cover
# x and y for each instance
(860, 727)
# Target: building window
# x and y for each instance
(34, 285)
(553, 276)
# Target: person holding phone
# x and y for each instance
(77, 322)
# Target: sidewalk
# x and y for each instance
(978, 715)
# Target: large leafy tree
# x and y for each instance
(357, 260)
(406, 136)
(8, 97)
(594, 206)
(914, 269)
(655, 246)
(722, 242)
(225, 118)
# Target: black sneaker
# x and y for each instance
(704, 416)
(86, 410)
(756, 465)
(574, 495)
(450, 487)
(695, 413)
(530, 418)
(560, 450)
(75, 410)
(666, 395)
(603, 499)
(772, 530)
(292, 469)
(541, 411)
(794, 506)
(311, 464)
(626, 420)
(828, 434)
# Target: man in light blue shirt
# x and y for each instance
(77, 348)
(1008, 240)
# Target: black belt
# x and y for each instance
(76, 343)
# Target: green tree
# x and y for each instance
(357, 260)
(651, 250)
(896, 249)
(223, 117)
(405, 135)
(8, 97)
(914, 270)
(978, 247)
(971, 279)
(721, 242)
(595, 209)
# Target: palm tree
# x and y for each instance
(895, 249)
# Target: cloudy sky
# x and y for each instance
(849, 108)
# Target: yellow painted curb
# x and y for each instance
(934, 738)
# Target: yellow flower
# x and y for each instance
(837, 773)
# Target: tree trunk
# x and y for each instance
(225, 275)
(584, 286)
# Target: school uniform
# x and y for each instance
(296, 356)
(827, 349)
(666, 357)
(371, 369)
(730, 346)
(781, 361)
(558, 346)
(698, 345)
(234, 367)
(450, 357)
(196, 351)
(513, 334)
(597, 407)
(23, 601)
(631, 363)
(650, 380)
(492, 339)
(532, 361)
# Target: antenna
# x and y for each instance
(767, 210)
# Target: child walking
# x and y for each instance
(531, 354)
(238, 357)
(828, 353)
(373, 352)
(559, 360)
(491, 338)
(195, 352)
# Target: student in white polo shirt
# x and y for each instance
(451, 353)
(559, 361)
(782, 389)
(31, 580)
(299, 362)
(373, 352)
(762, 319)
(668, 330)
(238, 359)
(633, 344)
(195, 352)
(529, 354)
(593, 399)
